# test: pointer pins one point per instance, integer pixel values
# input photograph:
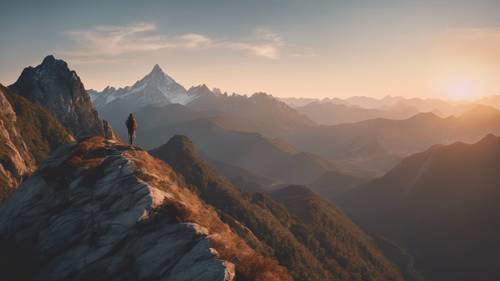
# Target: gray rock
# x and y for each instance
(109, 229)
(54, 86)
(15, 159)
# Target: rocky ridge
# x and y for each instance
(28, 133)
(102, 210)
(57, 88)
(15, 159)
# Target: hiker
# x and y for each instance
(131, 126)
(107, 130)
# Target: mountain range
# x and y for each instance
(379, 144)
(309, 246)
(88, 207)
(238, 187)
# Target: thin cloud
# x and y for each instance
(113, 41)
(270, 45)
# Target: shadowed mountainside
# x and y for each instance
(28, 133)
(442, 206)
(338, 251)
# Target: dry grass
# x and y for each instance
(186, 206)
(183, 206)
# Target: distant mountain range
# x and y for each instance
(396, 127)
(378, 143)
(333, 111)
(441, 205)
(155, 88)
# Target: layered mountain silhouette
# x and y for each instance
(330, 113)
(387, 107)
(441, 205)
(57, 88)
(28, 133)
(322, 245)
(257, 113)
(493, 101)
(250, 151)
(378, 144)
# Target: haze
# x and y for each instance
(285, 48)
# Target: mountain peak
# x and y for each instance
(157, 69)
(49, 59)
(488, 140)
(57, 88)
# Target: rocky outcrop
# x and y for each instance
(28, 133)
(15, 158)
(101, 210)
(54, 86)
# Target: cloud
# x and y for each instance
(269, 46)
(113, 41)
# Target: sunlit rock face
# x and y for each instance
(15, 158)
(101, 210)
(54, 86)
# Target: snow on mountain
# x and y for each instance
(156, 88)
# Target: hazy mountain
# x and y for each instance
(445, 108)
(329, 113)
(250, 151)
(28, 133)
(101, 210)
(242, 179)
(378, 143)
(53, 86)
(393, 107)
(310, 249)
(333, 184)
(156, 88)
(493, 101)
(441, 205)
(258, 113)
(297, 102)
(150, 117)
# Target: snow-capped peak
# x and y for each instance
(156, 88)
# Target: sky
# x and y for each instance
(294, 48)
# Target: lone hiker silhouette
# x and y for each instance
(131, 126)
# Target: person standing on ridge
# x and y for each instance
(131, 126)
